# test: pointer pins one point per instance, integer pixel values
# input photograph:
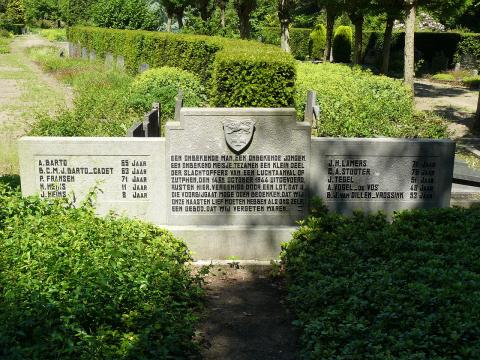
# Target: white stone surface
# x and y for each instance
(129, 172)
(233, 182)
(382, 173)
(237, 167)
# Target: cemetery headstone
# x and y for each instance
(84, 53)
(109, 60)
(120, 62)
(234, 182)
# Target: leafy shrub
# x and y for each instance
(15, 12)
(468, 51)
(363, 287)
(444, 77)
(5, 34)
(76, 286)
(124, 14)
(270, 35)
(472, 82)
(5, 45)
(356, 103)
(342, 44)
(300, 43)
(318, 42)
(300, 40)
(455, 46)
(251, 76)
(207, 57)
(54, 34)
(162, 85)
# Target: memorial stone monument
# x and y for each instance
(234, 182)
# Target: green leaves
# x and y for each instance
(355, 103)
(76, 286)
(162, 85)
(236, 72)
(363, 287)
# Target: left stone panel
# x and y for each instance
(128, 173)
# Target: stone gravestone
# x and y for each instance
(143, 67)
(92, 55)
(128, 172)
(109, 60)
(120, 62)
(382, 174)
(84, 53)
(233, 182)
(237, 168)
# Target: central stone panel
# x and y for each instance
(237, 167)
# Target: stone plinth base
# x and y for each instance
(241, 242)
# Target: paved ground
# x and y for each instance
(245, 317)
(456, 104)
(24, 91)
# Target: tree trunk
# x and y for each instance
(387, 42)
(357, 52)
(329, 36)
(244, 26)
(222, 17)
(476, 125)
(204, 13)
(180, 20)
(222, 4)
(285, 37)
(169, 23)
(409, 67)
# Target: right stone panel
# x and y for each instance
(382, 174)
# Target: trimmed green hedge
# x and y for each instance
(218, 61)
(77, 286)
(365, 288)
(300, 42)
(342, 44)
(468, 51)
(356, 103)
(433, 48)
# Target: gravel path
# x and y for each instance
(25, 90)
(455, 104)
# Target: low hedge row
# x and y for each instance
(77, 286)
(239, 73)
(300, 42)
(356, 103)
(437, 50)
(365, 288)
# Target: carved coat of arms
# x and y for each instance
(238, 133)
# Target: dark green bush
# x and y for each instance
(318, 39)
(77, 286)
(468, 51)
(300, 43)
(253, 76)
(356, 103)
(162, 85)
(206, 56)
(124, 14)
(364, 288)
(342, 44)
(453, 46)
(270, 35)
